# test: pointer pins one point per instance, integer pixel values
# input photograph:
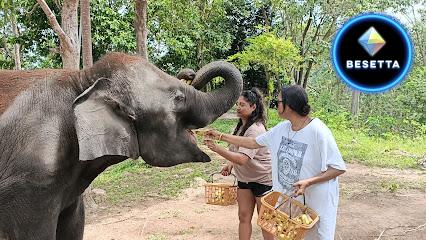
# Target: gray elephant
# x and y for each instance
(62, 128)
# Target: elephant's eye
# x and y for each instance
(179, 98)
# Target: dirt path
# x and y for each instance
(368, 210)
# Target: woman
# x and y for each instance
(305, 158)
(252, 166)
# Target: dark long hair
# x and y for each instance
(252, 96)
(296, 98)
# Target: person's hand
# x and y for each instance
(226, 170)
(211, 144)
(192, 137)
(300, 187)
(212, 134)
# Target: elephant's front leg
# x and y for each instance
(71, 222)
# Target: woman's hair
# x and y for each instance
(296, 98)
(252, 96)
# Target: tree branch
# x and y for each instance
(305, 31)
(316, 34)
(32, 9)
(329, 31)
(308, 70)
(55, 25)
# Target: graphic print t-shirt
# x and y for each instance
(301, 155)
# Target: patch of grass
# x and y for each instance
(224, 125)
(391, 186)
(157, 237)
(374, 151)
(134, 180)
(170, 214)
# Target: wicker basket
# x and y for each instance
(223, 194)
(281, 215)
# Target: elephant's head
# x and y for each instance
(131, 108)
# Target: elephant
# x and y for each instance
(61, 128)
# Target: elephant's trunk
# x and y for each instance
(209, 106)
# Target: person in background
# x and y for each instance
(252, 167)
(305, 158)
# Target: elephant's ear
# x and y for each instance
(104, 126)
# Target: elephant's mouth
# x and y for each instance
(193, 139)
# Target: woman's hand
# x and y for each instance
(212, 134)
(300, 187)
(211, 144)
(192, 137)
(226, 170)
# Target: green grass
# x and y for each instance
(134, 180)
(356, 145)
(393, 152)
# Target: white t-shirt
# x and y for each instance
(298, 155)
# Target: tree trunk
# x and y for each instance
(308, 71)
(67, 32)
(16, 53)
(268, 93)
(140, 27)
(355, 103)
(69, 23)
(86, 33)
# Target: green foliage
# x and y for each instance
(277, 56)
(37, 39)
(188, 33)
(112, 27)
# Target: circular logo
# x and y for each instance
(372, 53)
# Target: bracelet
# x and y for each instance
(220, 136)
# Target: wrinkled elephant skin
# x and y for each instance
(60, 129)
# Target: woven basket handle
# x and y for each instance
(210, 179)
(304, 202)
(291, 196)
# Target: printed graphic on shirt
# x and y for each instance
(290, 158)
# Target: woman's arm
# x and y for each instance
(301, 185)
(246, 142)
(235, 157)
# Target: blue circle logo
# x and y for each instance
(372, 53)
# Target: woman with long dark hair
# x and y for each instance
(305, 158)
(251, 166)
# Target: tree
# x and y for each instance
(86, 33)
(9, 12)
(277, 56)
(112, 26)
(140, 27)
(67, 32)
(184, 34)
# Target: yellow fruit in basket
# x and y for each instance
(306, 219)
(298, 220)
(267, 216)
(218, 196)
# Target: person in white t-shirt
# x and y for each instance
(305, 158)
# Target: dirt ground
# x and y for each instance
(375, 203)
